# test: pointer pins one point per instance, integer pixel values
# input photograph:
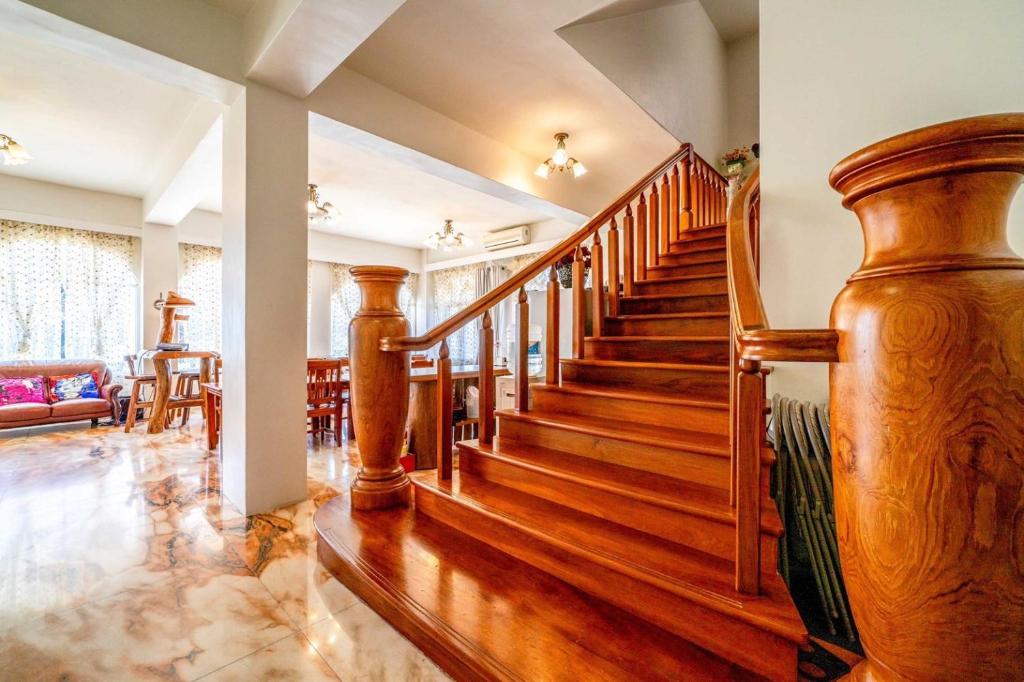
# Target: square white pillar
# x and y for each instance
(159, 275)
(265, 247)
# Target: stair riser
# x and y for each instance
(716, 537)
(763, 652)
(706, 469)
(684, 383)
(686, 252)
(710, 268)
(693, 417)
(650, 350)
(699, 235)
(668, 326)
(689, 304)
(707, 285)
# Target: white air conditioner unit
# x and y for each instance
(507, 238)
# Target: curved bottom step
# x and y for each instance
(482, 615)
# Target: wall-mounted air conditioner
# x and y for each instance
(507, 238)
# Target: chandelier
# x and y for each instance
(12, 153)
(560, 161)
(319, 212)
(447, 238)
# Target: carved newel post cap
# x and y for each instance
(379, 273)
(991, 143)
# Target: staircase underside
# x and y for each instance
(483, 615)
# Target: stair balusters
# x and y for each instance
(628, 255)
(445, 397)
(652, 227)
(665, 214)
(579, 300)
(748, 435)
(641, 238)
(673, 228)
(597, 285)
(551, 357)
(522, 377)
(613, 269)
(485, 430)
(686, 211)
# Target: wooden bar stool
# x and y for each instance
(139, 382)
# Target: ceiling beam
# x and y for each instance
(294, 45)
(187, 166)
(185, 43)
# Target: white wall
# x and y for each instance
(742, 92)
(671, 61)
(839, 75)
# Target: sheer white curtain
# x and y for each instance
(453, 289)
(345, 300)
(201, 281)
(67, 294)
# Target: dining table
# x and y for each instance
(422, 420)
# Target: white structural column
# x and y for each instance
(159, 274)
(265, 246)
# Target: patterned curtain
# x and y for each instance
(454, 289)
(67, 294)
(345, 300)
(200, 280)
(516, 263)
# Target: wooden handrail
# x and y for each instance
(755, 339)
(546, 260)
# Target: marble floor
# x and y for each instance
(120, 560)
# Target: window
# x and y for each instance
(454, 289)
(67, 294)
(200, 280)
(345, 300)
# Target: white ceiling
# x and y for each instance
(499, 68)
(86, 124)
(387, 201)
(734, 19)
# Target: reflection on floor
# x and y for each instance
(120, 560)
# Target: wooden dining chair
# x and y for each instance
(324, 397)
(139, 382)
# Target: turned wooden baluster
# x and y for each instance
(748, 434)
(522, 351)
(641, 238)
(486, 361)
(445, 397)
(653, 223)
(673, 228)
(705, 197)
(597, 285)
(665, 210)
(380, 389)
(613, 269)
(551, 363)
(695, 194)
(685, 207)
(628, 255)
(579, 301)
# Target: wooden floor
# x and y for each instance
(483, 615)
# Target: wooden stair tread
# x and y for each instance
(660, 297)
(643, 396)
(402, 563)
(660, 436)
(718, 369)
(679, 339)
(682, 278)
(689, 258)
(666, 491)
(668, 566)
(698, 314)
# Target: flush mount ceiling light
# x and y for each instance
(12, 153)
(319, 212)
(560, 161)
(447, 238)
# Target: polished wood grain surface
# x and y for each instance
(379, 389)
(927, 405)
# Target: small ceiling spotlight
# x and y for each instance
(13, 153)
(560, 161)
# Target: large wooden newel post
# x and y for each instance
(927, 404)
(380, 389)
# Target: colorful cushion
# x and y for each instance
(22, 390)
(71, 386)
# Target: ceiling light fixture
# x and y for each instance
(560, 161)
(447, 238)
(12, 153)
(319, 212)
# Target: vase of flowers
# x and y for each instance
(734, 161)
(563, 267)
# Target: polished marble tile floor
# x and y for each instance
(120, 560)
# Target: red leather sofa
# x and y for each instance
(80, 409)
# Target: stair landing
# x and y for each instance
(483, 615)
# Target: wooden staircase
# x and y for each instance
(620, 476)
